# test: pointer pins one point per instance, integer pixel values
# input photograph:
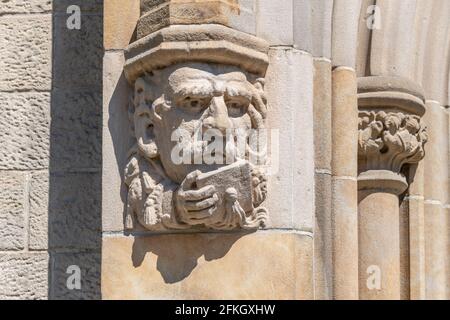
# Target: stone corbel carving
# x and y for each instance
(391, 132)
(191, 83)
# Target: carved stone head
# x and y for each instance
(194, 98)
(180, 112)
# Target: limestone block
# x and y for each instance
(379, 245)
(38, 216)
(302, 24)
(322, 12)
(78, 53)
(74, 210)
(312, 26)
(276, 22)
(345, 238)
(436, 159)
(345, 123)
(23, 276)
(264, 265)
(246, 20)
(435, 79)
(116, 140)
(323, 238)
(322, 114)
(392, 50)
(119, 23)
(435, 261)
(345, 32)
(25, 51)
(364, 38)
(13, 195)
(422, 26)
(155, 15)
(416, 248)
(76, 130)
(290, 95)
(24, 130)
(89, 266)
(26, 6)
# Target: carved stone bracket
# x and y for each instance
(190, 80)
(391, 132)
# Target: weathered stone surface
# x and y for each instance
(311, 24)
(345, 32)
(345, 123)
(26, 6)
(275, 22)
(345, 238)
(220, 192)
(74, 213)
(23, 276)
(38, 212)
(196, 43)
(119, 23)
(208, 266)
(89, 264)
(436, 275)
(13, 196)
(379, 245)
(323, 239)
(78, 53)
(116, 141)
(392, 50)
(436, 167)
(389, 141)
(76, 130)
(25, 51)
(413, 253)
(24, 130)
(322, 114)
(290, 95)
(156, 15)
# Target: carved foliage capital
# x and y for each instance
(389, 140)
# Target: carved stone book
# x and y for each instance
(237, 176)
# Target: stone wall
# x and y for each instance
(329, 65)
(25, 95)
(338, 208)
(50, 155)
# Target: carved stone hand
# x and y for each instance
(194, 206)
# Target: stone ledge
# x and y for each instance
(206, 43)
(274, 265)
(391, 94)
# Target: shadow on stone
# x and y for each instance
(74, 211)
(178, 258)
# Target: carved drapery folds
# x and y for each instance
(197, 106)
(391, 132)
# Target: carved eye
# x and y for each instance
(193, 104)
(236, 108)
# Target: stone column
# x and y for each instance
(391, 137)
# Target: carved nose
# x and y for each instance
(219, 114)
